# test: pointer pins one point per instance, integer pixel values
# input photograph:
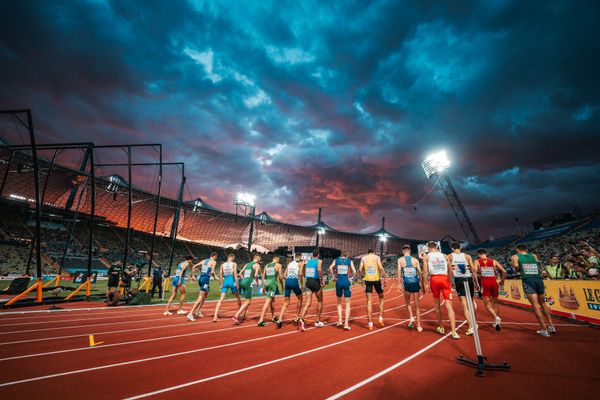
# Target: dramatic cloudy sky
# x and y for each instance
(328, 104)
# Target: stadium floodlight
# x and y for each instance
(245, 199)
(435, 163)
(383, 238)
(321, 231)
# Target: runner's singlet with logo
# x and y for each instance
(437, 265)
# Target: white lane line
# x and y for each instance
(163, 356)
(135, 341)
(398, 364)
(237, 371)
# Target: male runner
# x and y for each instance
(462, 267)
(179, 285)
(313, 272)
(343, 282)
(207, 269)
(409, 277)
(533, 286)
(436, 265)
(293, 282)
(371, 272)
(270, 277)
(486, 267)
(229, 277)
(249, 273)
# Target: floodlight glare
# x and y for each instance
(321, 231)
(383, 238)
(245, 199)
(435, 163)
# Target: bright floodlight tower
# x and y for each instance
(245, 204)
(434, 166)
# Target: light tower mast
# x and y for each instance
(434, 166)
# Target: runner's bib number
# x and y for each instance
(247, 273)
(438, 267)
(488, 272)
(310, 272)
(530, 269)
(342, 269)
(410, 272)
(227, 269)
(292, 271)
(270, 271)
(204, 269)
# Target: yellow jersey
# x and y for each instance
(371, 267)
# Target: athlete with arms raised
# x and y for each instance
(343, 281)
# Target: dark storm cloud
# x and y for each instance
(332, 106)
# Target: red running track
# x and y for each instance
(147, 355)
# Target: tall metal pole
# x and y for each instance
(381, 240)
(5, 177)
(318, 231)
(129, 209)
(459, 210)
(160, 166)
(251, 233)
(175, 224)
(92, 214)
(38, 229)
(42, 200)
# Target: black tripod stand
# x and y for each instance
(481, 363)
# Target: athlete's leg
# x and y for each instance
(182, 298)
(438, 311)
(451, 315)
(243, 308)
(300, 299)
(272, 307)
(339, 310)
(489, 306)
(171, 298)
(307, 305)
(348, 308)
(319, 296)
(465, 308)
(264, 309)
(286, 301)
(407, 296)
(381, 302)
(216, 316)
(545, 309)
(533, 299)
(417, 310)
(197, 303)
(370, 307)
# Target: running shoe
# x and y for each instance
(440, 330)
(346, 328)
(370, 326)
(543, 333)
(455, 335)
(198, 314)
(275, 318)
(279, 324)
(419, 329)
(191, 317)
(181, 312)
(339, 324)
(167, 313)
(381, 324)
(235, 320)
(295, 322)
(261, 324)
(411, 324)
(301, 325)
(319, 324)
(469, 332)
(551, 329)
(215, 320)
(497, 323)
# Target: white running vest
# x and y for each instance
(437, 265)
(458, 261)
(227, 268)
(292, 270)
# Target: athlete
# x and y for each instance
(207, 270)
(462, 269)
(486, 268)
(436, 265)
(270, 277)
(313, 271)
(409, 277)
(293, 283)
(229, 281)
(343, 282)
(533, 286)
(249, 273)
(370, 273)
(179, 285)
